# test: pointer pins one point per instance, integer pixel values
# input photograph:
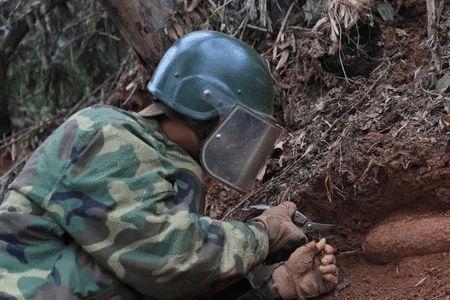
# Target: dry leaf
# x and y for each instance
(320, 23)
(279, 145)
(261, 173)
(130, 86)
(283, 60)
(281, 161)
(401, 33)
(446, 120)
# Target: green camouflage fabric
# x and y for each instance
(108, 207)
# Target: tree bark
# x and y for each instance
(142, 23)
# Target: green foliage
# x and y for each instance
(62, 61)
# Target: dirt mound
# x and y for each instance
(365, 143)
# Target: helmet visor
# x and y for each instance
(239, 147)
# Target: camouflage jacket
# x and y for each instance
(107, 207)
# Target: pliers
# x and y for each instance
(311, 229)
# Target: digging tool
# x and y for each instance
(313, 230)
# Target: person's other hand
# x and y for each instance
(310, 271)
(327, 267)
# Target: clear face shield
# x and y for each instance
(238, 148)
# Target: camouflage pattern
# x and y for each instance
(108, 207)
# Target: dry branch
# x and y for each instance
(341, 15)
(434, 10)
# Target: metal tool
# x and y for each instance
(313, 230)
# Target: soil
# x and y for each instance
(362, 151)
(424, 277)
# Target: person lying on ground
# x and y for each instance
(111, 204)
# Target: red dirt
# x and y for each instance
(426, 277)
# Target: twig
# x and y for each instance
(280, 33)
(21, 137)
(79, 21)
(222, 6)
(374, 144)
(113, 37)
(300, 28)
(241, 26)
(340, 53)
(434, 11)
(11, 136)
(256, 28)
(357, 251)
(401, 128)
(131, 94)
(420, 282)
(237, 206)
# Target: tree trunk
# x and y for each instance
(142, 23)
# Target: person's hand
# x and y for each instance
(327, 267)
(310, 271)
(279, 226)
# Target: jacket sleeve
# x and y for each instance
(118, 201)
